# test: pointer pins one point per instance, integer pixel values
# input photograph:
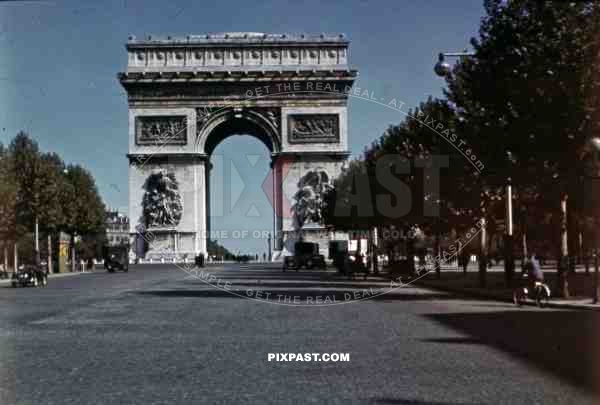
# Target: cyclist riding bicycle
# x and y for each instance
(536, 273)
(532, 284)
(533, 274)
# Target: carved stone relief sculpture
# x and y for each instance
(162, 204)
(313, 128)
(160, 130)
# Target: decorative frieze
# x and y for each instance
(236, 50)
(160, 130)
(313, 128)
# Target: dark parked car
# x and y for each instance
(30, 275)
(116, 258)
(306, 255)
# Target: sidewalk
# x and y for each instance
(7, 281)
(456, 282)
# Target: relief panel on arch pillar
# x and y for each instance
(313, 128)
(160, 130)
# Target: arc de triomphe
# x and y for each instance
(186, 95)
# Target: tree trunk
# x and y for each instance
(369, 250)
(579, 248)
(524, 258)
(5, 258)
(596, 292)
(49, 253)
(460, 257)
(16, 258)
(563, 262)
(585, 254)
(73, 258)
(410, 255)
(483, 255)
(438, 258)
(372, 250)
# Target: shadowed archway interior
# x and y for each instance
(236, 126)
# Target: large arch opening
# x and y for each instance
(236, 126)
(239, 213)
(224, 123)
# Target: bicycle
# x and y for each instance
(540, 294)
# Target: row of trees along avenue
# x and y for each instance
(39, 187)
(526, 104)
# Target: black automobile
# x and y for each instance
(29, 276)
(116, 258)
(306, 255)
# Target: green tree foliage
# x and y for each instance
(529, 100)
(27, 170)
(523, 94)
(38, 186)
(8, 197)
(85, 212)
(529, 94)
(412, 178)
(52, 216)
(413, 174)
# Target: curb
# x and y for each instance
(502, 298)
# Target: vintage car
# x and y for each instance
(306, 255)
(116, 258)
(29, 275)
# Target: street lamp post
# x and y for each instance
(595, 293)
(443, 68)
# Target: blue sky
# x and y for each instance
(59, 59)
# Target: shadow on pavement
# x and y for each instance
(413, 402)
(565, 343)
(455, 340)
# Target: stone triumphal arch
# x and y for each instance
(186, 95)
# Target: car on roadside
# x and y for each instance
(3, 273)
(306, 254)
(116, 258)
(29, 276)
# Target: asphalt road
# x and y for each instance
(159, 335)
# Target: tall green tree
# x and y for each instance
(54, 181)
(524, 98)
(8, 197)
(27, 170)
(85, 213)
(414, 175)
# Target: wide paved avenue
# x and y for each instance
(159, 335)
